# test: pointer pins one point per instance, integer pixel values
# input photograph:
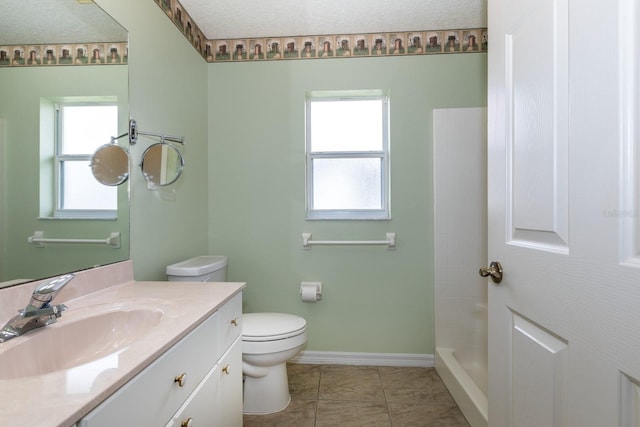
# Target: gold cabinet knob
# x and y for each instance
(226, 369)
(187, 423)
(181, 379)
(234, 322)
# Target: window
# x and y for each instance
(347, 148)
(80, 128)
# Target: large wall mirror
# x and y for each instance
(52, 53)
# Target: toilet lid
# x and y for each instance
(271, 326)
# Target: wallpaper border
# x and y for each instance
(325, 46)
(64, 54)
(425, 42)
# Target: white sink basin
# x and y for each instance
(75, 340)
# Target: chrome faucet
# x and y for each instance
(39, 312)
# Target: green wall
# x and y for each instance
(22, 90)
(375, 300)
(167, 95)
(242, 193)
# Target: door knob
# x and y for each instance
(494, 270)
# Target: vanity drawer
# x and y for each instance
(230, 323)
(218, 399)
(153, 396)
(199, 409)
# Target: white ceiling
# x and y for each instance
(222, 19)
(67, 21)
(56, 22)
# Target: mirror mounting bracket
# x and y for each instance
(134, 132)
(115, 138)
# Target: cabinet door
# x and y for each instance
(200, 409)
(230, 387)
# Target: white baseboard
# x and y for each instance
(367, 359)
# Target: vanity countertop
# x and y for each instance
(62, 397)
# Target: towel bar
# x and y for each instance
(39, 239)
(390, 242)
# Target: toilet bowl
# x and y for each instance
(269, 340)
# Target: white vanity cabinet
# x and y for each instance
(225, 382)
(197, 382)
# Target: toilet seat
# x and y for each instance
(258, 327)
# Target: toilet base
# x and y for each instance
(266, 394)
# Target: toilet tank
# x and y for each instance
(212, 268)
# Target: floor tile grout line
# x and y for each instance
(315, 414)
(384, 393)
(386, 396)
(389, 390)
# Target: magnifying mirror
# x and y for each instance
(162, 164)
(110, 165)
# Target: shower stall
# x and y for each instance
(460, 248)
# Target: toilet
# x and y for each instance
(269, 340)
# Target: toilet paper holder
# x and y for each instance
(311, 291)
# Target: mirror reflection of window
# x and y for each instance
(81, 129)
(28, 158)
(110, 165)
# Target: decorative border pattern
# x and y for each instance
(267, 48)
(324, 46)
(64, 54)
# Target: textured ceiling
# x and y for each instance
(56, 22)
(221, 19)
(67, 21)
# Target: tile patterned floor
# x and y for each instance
(372, 396)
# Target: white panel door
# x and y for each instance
(563, 215)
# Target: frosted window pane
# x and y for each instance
(347, 183)
(82, 191)
(87, 127)
(346, 125)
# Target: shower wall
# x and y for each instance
(460, 224)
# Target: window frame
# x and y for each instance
(59, 160)
(384, 213)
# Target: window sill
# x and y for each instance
(324, 216)
(76, 218)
